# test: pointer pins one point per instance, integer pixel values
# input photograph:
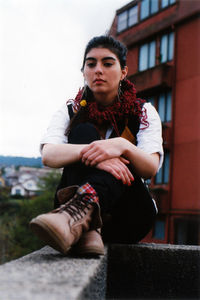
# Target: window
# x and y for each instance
(132, 16)
(151, 100)
(162, 177)
(165, 3)
(122, 21)
(159, 230)
(165, 106)
(127, 18)
(167, 47)
(18, 192)
(148, 7)
(147, 56)
(187, 231)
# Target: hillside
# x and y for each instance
(20, 161)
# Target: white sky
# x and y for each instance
(41, 49)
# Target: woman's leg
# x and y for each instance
(108, 188)
(133, 212)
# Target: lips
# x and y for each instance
(98, 81)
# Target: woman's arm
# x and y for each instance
(60, 155)
(146, 165)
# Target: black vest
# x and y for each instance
(127, 130)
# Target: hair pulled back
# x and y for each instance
(108, 42)
(134, 105)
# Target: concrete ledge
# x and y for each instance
(143, 271)
(46, 274)
(153, 271)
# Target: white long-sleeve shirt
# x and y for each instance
(149, 139)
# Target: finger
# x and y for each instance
(89, 155)
(85, 149)
(113, 170)
(124, 160)
(128, 172)
(94, 159)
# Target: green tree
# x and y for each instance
(21, 239)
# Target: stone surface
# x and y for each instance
(143, 271)
(46, 274)
(153, 271)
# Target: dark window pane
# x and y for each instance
(154, 6)
(152, 100)
(158, 178)
(152, 54)
(161, 107)
(143, 58)
(144, 10)
(163, 48)
(163, 175)
(164, 3)
(159, 230)
(133, 16)
(171, 46)
(122, 21)
(166, 168)
(168, 107)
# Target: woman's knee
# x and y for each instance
(83, 133)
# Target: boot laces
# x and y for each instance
(76, 207)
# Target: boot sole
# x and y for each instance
(89, 251)
(48, 235)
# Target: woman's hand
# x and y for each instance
(117, 167)
(101, 150)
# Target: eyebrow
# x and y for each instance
(105, 58)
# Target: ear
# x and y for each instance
(124, 72)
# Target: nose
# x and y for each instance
(98, 69)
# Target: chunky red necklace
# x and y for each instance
(124, 106)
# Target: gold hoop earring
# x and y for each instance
(119, 91)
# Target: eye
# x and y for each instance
(91, 65)
(108, 64)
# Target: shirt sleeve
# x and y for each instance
(55, 133)
(150, 139)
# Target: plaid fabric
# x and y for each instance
(90, 193)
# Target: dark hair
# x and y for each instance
(105, 41)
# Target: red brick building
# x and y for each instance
(163, 41)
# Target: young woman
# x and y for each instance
(108, 142)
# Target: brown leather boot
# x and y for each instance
(63, 227)
(90, 243)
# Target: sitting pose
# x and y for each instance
(108, 142)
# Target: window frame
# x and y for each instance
(127, 12)
(169, 49)
(148, 55)
(162, 172)
(150, 13)
(166, 95)
(169, 3)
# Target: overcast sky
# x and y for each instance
(41, 50)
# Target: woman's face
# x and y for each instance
(102, 72)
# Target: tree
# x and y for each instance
(21, 239)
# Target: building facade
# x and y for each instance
(163, 41)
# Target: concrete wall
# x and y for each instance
(143, 271)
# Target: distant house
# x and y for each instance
(18, 190)
(27, 188)
(25, 181)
